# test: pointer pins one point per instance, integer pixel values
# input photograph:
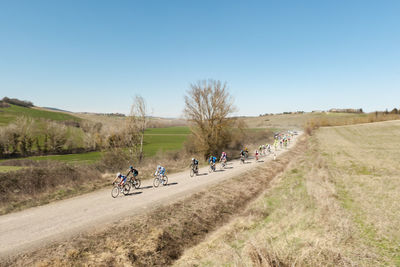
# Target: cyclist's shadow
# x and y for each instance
(169, 184)
(146, 187)
(134, 193)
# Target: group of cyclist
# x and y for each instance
(212, 161)
(280, 139)
(121, 179)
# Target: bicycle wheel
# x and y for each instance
(191, 173)
(156, 182)
(136, 183)
(115, 191)
(165, 180)
(126, 188)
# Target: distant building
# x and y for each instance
(346, 110)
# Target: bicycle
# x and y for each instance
(223, 164)
(242, 159)
(160, 179)
(118, 188)
(212, 167)
(194, 170)
(134, 182)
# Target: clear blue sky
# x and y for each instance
(275, 55)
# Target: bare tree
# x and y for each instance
(57, 136)
(136, 125)
(207, 107)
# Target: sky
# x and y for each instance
(275, 56)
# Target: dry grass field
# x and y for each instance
(290, 121)
(337, 205)
(314, 120)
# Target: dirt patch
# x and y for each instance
(161, 236)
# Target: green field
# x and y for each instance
(89, 157)
(178, 130)
(164, 139)
(9, 114)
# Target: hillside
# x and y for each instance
(9, 114)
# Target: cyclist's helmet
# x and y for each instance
(192, 159)
(118, 175)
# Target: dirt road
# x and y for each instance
(36, 227)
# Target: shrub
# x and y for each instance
(17, 102)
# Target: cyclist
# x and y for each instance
(194, 164)
(269, 148)
(212, 160)
(223, 157)
(160, 170)
(242, 155)
(256, 154)
(276, 144)
(133, 171)
(122, 179)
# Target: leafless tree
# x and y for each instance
(136, 125)
(57, 136)
(207, 107)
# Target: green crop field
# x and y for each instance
(89, 157)
(9, 114)
(177, 130)
(155, 143)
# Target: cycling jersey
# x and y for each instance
(212, 159)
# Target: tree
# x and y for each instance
(207, 107)
(57, 136)
(136, 125)
(25, 127)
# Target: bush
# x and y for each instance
(114, 160)
(4, 104)
(18, 102)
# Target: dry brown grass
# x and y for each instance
(336, 206)
(160, 236)
(314, 120)
(46, 181)
(339, 120)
